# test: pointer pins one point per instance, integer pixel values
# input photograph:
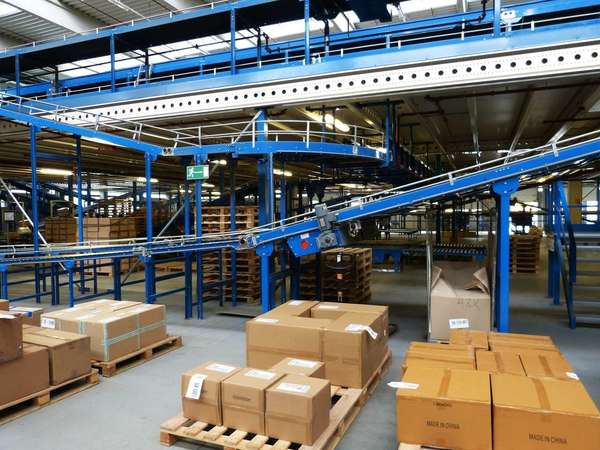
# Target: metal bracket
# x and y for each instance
(324, 217)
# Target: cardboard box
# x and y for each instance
(297, 366)
(333, 311)
(499, 362)
(519, 338)
(543, 414)
(24, 376)
(460, 298)
(29, 316)
(450, 356)
(69, 353)
(478, 339)
(269, 339)
(525, 349)
(354, 346)
(4, 305)
(201, 392)
(11, 337)
(294, 308)
(298, 408)
(445, 408)
(550, 366)
(107, 305)
(244, 399)
(152, 322)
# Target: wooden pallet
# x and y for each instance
(133, 359)
(346, 406)
(33, 402)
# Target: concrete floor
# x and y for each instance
(125, 412)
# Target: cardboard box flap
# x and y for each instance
(436, 274)
(457, 276)
(480, 281)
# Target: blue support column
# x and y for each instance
(233, 227)
(283, 249)
(199, 268)
(187, 227)
(18, 74)
(113, 79)
(117, 278)
(503, 191)
(70, 265)
(307, 32)
(150, 285)
(34, 207)
(265, 251)
(4, 281)
(497, 24)
(79, 209)
(388, 119)
(232, 27)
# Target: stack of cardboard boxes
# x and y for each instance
(494, 390)
(116, 328)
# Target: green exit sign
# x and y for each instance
(197, 173)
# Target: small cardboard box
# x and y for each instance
(69, 353)
(298, 409)
(11, 337)
(353, 348)
(24, 376)
(548, 366)
(445, 408)
(152, 323)
(4, 305)
(460, 298)
(297, 366)
(269, 339)
(244, 399)
(201, 394)
(524, 349)
(478, 339)
(499, 362)
(450, 356)
(543, 414)
(519, 338)
(29, 316)
(293, 308)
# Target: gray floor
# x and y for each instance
(125, 412)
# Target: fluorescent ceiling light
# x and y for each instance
(143, 180)
(221, 162)
(330, 120)
(208, 185)
(57, 172)
(285, 173)
(18, 191)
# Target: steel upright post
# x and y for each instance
(34, 207)
(232, 27)
(497, 23)
(307, 32)
(233, 228)
(80, 210)
(18, 74)
(113, 79)
(148, 262)
(199, 268)
(283, 249)
(187, 227)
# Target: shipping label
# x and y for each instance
(266, 320)
(46, 322)
(262, 374)
(303, 363)
(194, 388)
(295, 388)
(356, 327)
(456, 324)
(220, 368)
(403, 385)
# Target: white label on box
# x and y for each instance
(295, 388)
(220, 368)
(46, 322)
(573, 376)
(458, 323)
(194, 388)
(328, 307)
(303, 363)
(266, 320)
(355, 327)
(7, 316)
(403, 385)
(262, 374)
(295, 302)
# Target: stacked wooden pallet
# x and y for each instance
(61, 229)
(216, 219)
(525, 253)
(345, 275)
(110, 228)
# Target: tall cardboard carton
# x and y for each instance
(68, 353)
(244, 399)
(298, 408)
(269, 339)
(499, 362)
(449, 356)
(445, 408)
(29, 316)
(543, 414)
(460, 298)
(548, 366)
(201, 394)
(478, 339)
(11, 337)
(293, 308)
(24, 376)
(298, 366)
(354, 346)
(4, 305)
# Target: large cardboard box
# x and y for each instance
(478, 339)
(69, 353)
(543, 414)
(29, 316)
(152, 323)
(551, 366)
(107, 304)
(450, 356)
(499, 362)
(460, 298)
(24, 376)
(445, 408)
(294, 308)
(4, 305)
(297, 366)
(298, 408)
(354, 346)
(269, 339)
(201, 394)
(244, 399)
(333, 311)
(11, 337)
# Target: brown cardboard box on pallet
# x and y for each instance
(548, 366)
(543, 414)
(24, 376)
(445, 408)
(29, 316)
(4, 305)
(244, 399)
(315, 369)
(332, 311)
(69, 353)
(11, 337)
(460, 298)
(152, 323)
(521, 339)
(478, 339)
(297, 409)
(450, 356)
(295, 308)
(269, 339)
(499, 362)
(353, 348)
(201, 394)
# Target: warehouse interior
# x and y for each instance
(222, 185)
